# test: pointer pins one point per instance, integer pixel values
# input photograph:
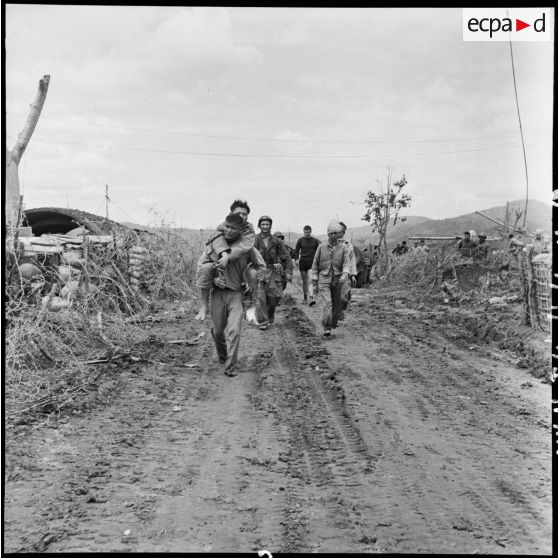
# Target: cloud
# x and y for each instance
(141, 81)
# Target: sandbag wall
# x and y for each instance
(51, 269)
(142, 269)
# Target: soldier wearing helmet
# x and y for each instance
(277, 259)
(330, 270)
(346, 287)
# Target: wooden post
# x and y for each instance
(85, 263)
(506, 223)
(18, 223)
(106, 201)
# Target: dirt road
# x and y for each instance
(405, 432)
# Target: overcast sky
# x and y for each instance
(298, 111)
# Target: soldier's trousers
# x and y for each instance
(227, 311)
(330, 301)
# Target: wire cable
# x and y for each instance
(281, 140)
(521, 133)
(275, 156)
(123, 211)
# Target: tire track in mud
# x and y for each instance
(373, 441)
(520, 523)
(327, 455)
(423, 403)
(117, 464)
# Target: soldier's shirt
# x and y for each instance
(330, 261)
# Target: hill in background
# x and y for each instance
(539, 216)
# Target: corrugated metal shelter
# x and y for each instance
(56, 220)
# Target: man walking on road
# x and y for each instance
(330, 270)
(223, 252)
(288, 271)
(226, 305)
(276, 258)
(346, 286)
(305, 251)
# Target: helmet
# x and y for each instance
(279, 234)
(334, 226)
(482, 235)
(265, 218)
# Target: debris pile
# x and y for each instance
(57, 271)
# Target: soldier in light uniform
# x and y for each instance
(330, 269)
(346, 286)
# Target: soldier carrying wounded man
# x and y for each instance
(223, 294)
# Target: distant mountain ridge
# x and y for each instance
(539, 216)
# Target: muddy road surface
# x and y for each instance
(405, 432)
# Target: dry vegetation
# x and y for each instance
(435, 272)
(416, 268)
(61, 329)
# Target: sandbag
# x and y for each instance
(93, 289)
(138, 251)
(69, 290)
(66, 273)
(56, 303)
(28, 271)
(73, 259)
(137, 261)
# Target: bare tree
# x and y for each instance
(383, 208)
(14, 156)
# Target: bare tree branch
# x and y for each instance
(14, 156)
(32, 118)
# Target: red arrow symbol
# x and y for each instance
(519, 25)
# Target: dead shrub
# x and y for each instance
(417, 268)
(56, 325)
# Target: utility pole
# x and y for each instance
(106, 201)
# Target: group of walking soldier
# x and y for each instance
(238, 263)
